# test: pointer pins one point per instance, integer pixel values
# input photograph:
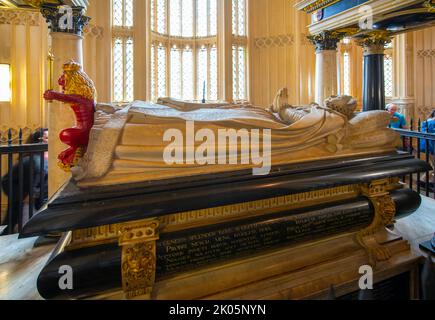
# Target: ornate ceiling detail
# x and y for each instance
(19, 17)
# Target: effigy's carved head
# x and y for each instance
(75, 81)
(345, 105)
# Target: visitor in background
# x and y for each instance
(428, 127)
(398, 120)
(40, 188)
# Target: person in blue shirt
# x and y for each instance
(398, 120)
(428, 127)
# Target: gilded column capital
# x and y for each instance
(65, 19)
(326, 40)
(374, 42)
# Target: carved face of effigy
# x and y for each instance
(345, 105)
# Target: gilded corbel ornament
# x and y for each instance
(385, 211)
(374, 42)
(326, 40)
(138, 266)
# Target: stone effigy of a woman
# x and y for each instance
(145, 141)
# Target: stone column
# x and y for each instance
(66, 36)
(403, 96)
(326, 64)
(374, 77)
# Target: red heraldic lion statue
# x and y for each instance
(78, 91)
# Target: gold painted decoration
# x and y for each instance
(77, 82)
(197, 218)
(138, 265)
(385, 211)
(80, 93)
(374, 42)
(326, 40)
(319, 4)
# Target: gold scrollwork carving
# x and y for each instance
(138, 266)
(385, 210)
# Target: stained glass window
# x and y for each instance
(159, 68)
(213, 72)
(239, 73)
(128, 70)
(187, 83)
(160, 16)
(123, 66)
(118, 70)
(201, 23)
(191, 43)
(184, 49)
(123, 51)
(239, 17)
(176, 72)
(123, 13)
(388, 70)
(161, 71)
(239, 50)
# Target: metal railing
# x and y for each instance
(422, 146)
(23, 179)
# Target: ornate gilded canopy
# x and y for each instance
(392, 16)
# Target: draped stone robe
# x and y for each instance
(127, 144)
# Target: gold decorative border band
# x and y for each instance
(197, 218)
(320, 4)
